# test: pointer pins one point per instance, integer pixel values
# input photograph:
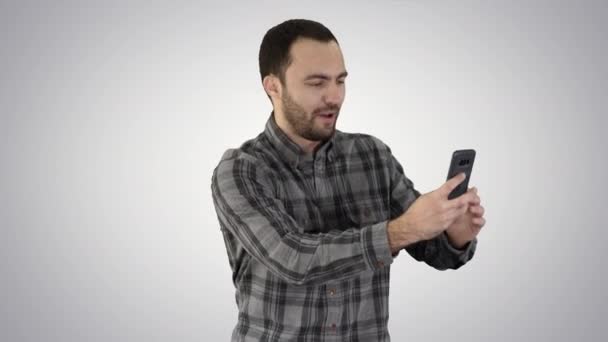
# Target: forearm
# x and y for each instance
(399, 235)
(308, 259)
(437, 252)
(247, 209)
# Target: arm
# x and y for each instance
(437, 252)
(248, 209)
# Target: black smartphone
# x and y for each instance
(462, 161)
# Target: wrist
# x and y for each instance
(455, 241)
(400, 234)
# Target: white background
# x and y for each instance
(113, 116)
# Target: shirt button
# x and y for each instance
(332, 292)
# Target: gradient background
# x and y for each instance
(114, 114)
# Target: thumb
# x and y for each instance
(452, 183)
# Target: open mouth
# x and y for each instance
(327, 115)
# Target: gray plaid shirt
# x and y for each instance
(306, 236)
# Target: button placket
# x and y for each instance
(334, 309)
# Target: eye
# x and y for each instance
(341, 81)
(316, 84)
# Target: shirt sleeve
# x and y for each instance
(247, 208)
(436, 252)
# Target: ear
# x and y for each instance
(272, 86)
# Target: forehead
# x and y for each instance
(311, 56)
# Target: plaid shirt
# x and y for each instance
(306, 236)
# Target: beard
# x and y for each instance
(303, 123)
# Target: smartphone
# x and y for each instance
(462, 161)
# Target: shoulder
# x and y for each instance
(249, 158)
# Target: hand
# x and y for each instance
(466, 227)
(429, 215)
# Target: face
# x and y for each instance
(314, 89)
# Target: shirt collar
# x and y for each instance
(291, 151)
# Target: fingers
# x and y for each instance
(477, 210)
(452, 214)
(478, 221)
(452, 183)
(469, 198)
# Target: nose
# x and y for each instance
(334, 94)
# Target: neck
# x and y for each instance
(308, 146)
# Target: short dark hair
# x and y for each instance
(274, 55)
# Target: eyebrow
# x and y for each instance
(324, 76)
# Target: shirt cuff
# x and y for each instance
(460, 252)
(376, 249)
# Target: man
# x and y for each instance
(312, 217)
